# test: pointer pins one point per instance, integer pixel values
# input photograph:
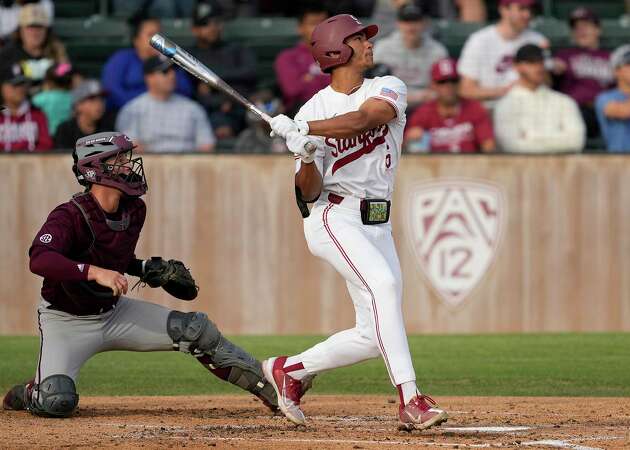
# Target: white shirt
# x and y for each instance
(363, 166)
(487, 57)
(411, 65)
(540, 121)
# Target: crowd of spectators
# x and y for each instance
(510, 91)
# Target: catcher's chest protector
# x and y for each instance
(112, 246)
(114, 241)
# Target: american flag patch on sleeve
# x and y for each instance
(389, 93)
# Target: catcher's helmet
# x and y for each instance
(107, 159)
(327, 41)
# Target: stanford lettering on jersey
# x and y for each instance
(362, 144)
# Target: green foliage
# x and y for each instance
(522, 365)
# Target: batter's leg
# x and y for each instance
(354, 251)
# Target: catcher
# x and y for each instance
(82, 252)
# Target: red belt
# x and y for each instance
(334, 198)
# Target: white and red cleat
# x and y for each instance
(289, 389)
(421, 413)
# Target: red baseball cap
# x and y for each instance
(529, 3)
(444, 69)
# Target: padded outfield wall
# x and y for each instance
(487, 243)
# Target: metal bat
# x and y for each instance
(195, 67)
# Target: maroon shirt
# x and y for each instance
(64, 248)
(462, 133)
(588, 74)
(27, 131)
(291, 66)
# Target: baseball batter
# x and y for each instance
(82, 252)
(357, 127)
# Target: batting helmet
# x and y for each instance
(107, 159)
(327, 40)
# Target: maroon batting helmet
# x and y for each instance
(327, 40)
(93, 163)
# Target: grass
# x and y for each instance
(493, 365)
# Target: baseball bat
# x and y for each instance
(195, 67)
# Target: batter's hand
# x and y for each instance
(282, 125)
(109, 278)
(296, 143)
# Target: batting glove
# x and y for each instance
(299, 146)
(282, 125)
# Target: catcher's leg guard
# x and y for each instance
(194, 333)
(55, 396)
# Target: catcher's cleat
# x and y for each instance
(289, 389)
(15, 399)
(421, 413)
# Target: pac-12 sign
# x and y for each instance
(455, 227)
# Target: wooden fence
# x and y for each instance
(487, 243)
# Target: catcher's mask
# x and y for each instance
(107, 159)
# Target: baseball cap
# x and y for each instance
(12, 74)
(410, 13)
(620, 57)
(33, 15)
(529, 53)
(89, 88)
(444, 69)
(205, 12)
(583, 13)
(156, 64)
(529, 3)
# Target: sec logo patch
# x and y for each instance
(45, 238)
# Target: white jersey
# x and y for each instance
(363, 166)
(487, 57)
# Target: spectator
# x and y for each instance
(532, 118)
(89, 115)
(232, 62)
(449, 124)
(486, 60)
(161, 121)
(123, 78)
(584, 70)
(613, 106)
(385, 12)
(10, 14)
(255, 138)
(55, 99)
(409, 52)
(298, 75)
(34, 46)
(22, 127)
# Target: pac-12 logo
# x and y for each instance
(455, 227)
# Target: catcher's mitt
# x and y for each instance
(171, 275)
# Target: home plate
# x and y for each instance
(484, 429)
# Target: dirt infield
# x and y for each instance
(352, 422)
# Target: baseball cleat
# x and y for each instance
(289, 389)
(15, 398)
(421, 413)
